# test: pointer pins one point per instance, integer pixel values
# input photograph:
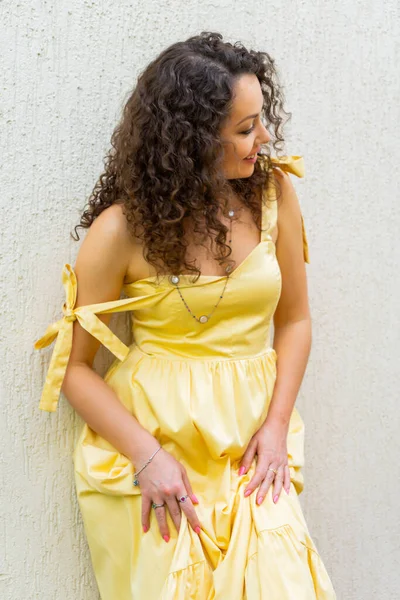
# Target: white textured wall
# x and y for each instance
(67, 67)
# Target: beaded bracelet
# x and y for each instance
(135, 480)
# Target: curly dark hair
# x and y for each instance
(166, 155)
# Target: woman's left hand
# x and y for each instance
(270, 445)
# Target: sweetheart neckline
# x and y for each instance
(209, 277)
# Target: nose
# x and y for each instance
(267, 135)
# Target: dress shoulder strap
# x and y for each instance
(291, 164)
(61, 331)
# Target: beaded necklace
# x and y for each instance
(175, 280)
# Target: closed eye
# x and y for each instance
(248, 131)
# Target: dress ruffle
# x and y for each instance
(289, 567)
(269, 543)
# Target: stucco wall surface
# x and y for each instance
(67, 68)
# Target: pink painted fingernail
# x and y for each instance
(242, 470)
(166, 538)
(247, 493)
(259, 500)
(145, 528)
(194, 499)
(197, 529)
(276, 498)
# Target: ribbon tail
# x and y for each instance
(101, 332)
(49, 335)
(56, 371)
(305, 242)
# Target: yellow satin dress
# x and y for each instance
(202, 390)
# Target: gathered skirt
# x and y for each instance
(204, 413)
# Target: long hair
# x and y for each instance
(166, 153)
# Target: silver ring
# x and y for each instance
(154, 505)
(183, 498)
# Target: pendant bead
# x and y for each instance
(203, 319)
(175, 279)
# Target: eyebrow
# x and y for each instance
(249, 117)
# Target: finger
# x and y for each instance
(146, 506)
(265, 475)
(265, 484)
(286, 483)
(262, 490)
(161, 516)
(259, 474)
(248, 457)
(278, 482)
(174, 511)
(188, 486)
(191, 515)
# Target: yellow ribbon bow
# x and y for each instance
(62, 330)
(291, 164)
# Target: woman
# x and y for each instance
(188, 467)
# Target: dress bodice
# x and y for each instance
(239, 328)
(240, 324)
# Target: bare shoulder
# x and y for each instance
(288, 202)
(103, 257)
(111, 226)
(283, 178)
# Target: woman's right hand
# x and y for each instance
(165, 480)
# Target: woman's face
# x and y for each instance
(243, 132)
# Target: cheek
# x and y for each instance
(246, 146)
(243, 147)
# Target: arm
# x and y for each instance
(292, 320)
(100, 268)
